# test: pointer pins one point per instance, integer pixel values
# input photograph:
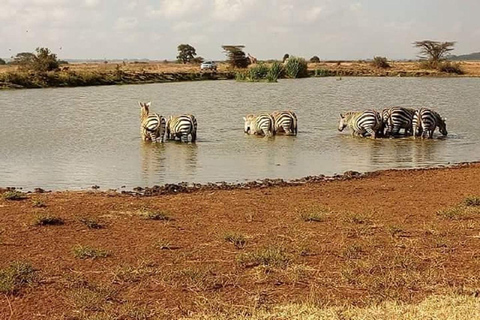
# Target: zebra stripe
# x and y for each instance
(285, 121)
(397, 118)
(425, 121)
(360, 123)
(262, 124)
(152, 125)
(181, 126)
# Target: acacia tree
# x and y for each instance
(186, 53)
(434, 51)
(235, 56)
(41, 61)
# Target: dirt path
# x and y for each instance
(386, 237)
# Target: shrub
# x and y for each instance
(41, 61)
(450, 67)
(275, 72)
(2, 62)
(91, 223)
(237, 239)
(380, 62)
(314, 59)
(296, 67)
(15, 276)
(258, 72)
(14, 195)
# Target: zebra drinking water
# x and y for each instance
(285, 121)
(397, 118)
(181, 126)
(263, 124)
(425, 121)
(152, 125)
(361, 123)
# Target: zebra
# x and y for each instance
(360, 123)
(181, 126)
(425, 122)
(152, 125)
(263, 124)
(285, 121)
(397, 118)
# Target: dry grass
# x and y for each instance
(87, 252)
(92, 223)
(14, 195)
(273, 256)
(155, 215)
(446, 307)
(47, 220)
(237, 239)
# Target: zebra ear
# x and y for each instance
(444, 119)
(148, 104)
(341, 115)
(141, 104)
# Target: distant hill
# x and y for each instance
(471, 56)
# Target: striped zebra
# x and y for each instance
(397, 118)
(361, 123)
(425, 121)
(285, 121)
(263, 124)
(152, 125)
(181, 126)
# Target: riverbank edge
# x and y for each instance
(185, 187)
(60, 79)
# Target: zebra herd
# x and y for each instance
(417, 122)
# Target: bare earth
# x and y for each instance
(380, 238)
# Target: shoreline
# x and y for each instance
(81, 75)
(191, 187)
(398, 236)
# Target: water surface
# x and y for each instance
(73, 138)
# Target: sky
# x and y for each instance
(152, 29)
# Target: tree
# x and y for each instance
(380, 62)
(44, 60)
(434, 51)
(2, 62)
(186, 53)
(235, 56)
(315, 59)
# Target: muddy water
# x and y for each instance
(73, 138)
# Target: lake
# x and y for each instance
(73, 138)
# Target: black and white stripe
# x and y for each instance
(425, 121)
(285, 121)
(152, 125)
(397, 118)
(181, 126)
(262, 124)
(361, 123)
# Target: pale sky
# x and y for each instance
(330, 29)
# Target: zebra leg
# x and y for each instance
(372, 132)
(194, 136)
(153, 136)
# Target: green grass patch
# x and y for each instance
(14, 195)
(87, 252)
(15, 276)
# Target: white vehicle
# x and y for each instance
(208, 65)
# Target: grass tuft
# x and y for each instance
(315, 214)
(267, 257)
(92, 223)
(155, 215)
(87, 252)
(237, 239)
(38, 204)
(15, 276)
(47, 220)
(454, 213)
(472, 201)
(14, 195)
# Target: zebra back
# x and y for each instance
(182, 126)
(397, 118)
(426, 120)
(262, 124)
(362, 122)
(286, 121)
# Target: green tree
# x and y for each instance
(315, 59)
(2, 62)
(41, 61)
(434, 51)
(186, 53)
(235, 56)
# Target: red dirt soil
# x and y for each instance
(379, 238)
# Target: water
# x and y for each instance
(73, 138)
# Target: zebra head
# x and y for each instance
(248, 123)
(442, 126)
(343, 122)
(144, 109)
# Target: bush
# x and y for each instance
(296, 67)
(314, 59)
(41, 61)
(450, 67)
(275, 72)
(261, 72)
(2, 62)
(380, 62)
(15, 276)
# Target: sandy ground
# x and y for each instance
(391, 236)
